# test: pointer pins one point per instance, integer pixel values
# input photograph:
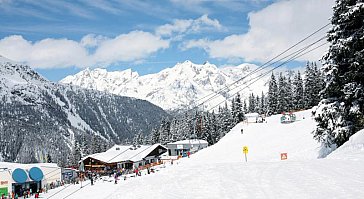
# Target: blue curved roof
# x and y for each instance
(36, 174)
(19, 175)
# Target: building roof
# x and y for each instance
(194, 141)
(120, 153)
(252, 115)
(12, 165)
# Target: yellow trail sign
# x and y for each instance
(245, 150)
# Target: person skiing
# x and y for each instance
(92, 180)
(116, 178)
(188, 154)
(136, 172)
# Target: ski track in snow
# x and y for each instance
(220, 171)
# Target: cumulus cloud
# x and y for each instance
(187, 26)
(272, 30)
(92, 40)
(90, 51)
(129, 47)
(97, 50)
(44, 53)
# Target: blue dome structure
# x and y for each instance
(36, 174)
(19, 175)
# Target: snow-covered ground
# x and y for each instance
(220, 171)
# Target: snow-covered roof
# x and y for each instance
(120, 153)
(252, 115)
(11, 165)
(190, 142)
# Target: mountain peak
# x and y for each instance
(5, 60)
(187, 62)
(12, 73)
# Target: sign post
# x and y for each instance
(245, 151)
(283, 156)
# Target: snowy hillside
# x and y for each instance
(171, 88)
(352, 149)
(40, 118)
(220, 171)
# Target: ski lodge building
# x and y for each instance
(180, 148)
(15, 177)
(127, 157)
(254, 118)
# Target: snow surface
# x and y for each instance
(5, 60)
(352, 149)
(220, 171)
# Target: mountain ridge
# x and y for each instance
(180, 86)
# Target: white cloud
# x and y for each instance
(129, 47)
(45, 53)
(95, 50)
(60, 53)
(272, 30)
(92, 40)
(184, 26)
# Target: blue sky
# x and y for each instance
(59, 38)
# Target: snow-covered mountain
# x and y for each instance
(41, 118)
(184, 85)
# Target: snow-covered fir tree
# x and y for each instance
(282, 102)
(297, 98)
(237, 109)
(252, 103)
(272, 98)
(263, 103)
(289, 95)
(313, 85)
(245, 107)
(340, 113)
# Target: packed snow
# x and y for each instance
(220, 171)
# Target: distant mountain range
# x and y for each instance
(182, 86)
(40, 118)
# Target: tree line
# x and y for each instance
(287, 91)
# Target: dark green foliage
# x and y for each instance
(341, 113)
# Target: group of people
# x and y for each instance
(27, 193)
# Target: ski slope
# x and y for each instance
(220, 171)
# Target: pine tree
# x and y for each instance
(76, 153)
(289, 95)
(272, 97)
(340, 114)
(262, 105)
(257, 105)
(298, 99)
(164, 131)
(245, 107)
(313, 85)
(252, 104)
(282, 94)
(237, 109)
(318, 84)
